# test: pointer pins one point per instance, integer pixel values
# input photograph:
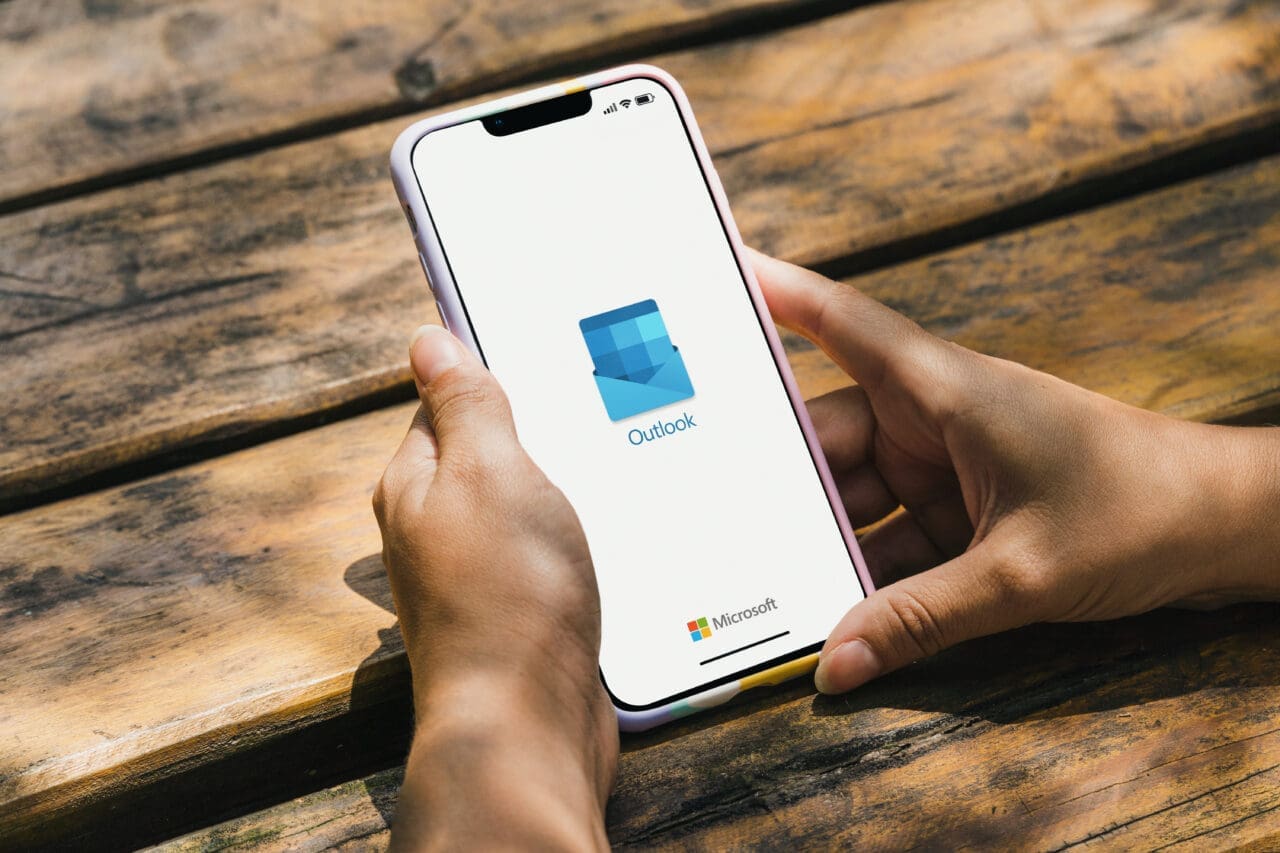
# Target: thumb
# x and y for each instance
(920, 616)
(860, 334)
(463, 402)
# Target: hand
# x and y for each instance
(1024, 498)
(497, 602)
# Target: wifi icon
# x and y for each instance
(626, 102)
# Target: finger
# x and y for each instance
(418, 451)
(919, 616)
(898, 549)
(466, 408)
(414, 462)
(845, 426)
(930, 490)
(946, 522)
(865, 496)
(858, 332)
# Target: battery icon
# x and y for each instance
(646, 98)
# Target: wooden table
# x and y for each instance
(207, 289)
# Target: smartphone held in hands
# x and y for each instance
(577, 238)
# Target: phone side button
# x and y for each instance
(444, 321)
(423, 261)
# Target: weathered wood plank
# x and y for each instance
(1108, 742)
(113, 606)
(218, 301)
(149, 629)
(357, 811)
(107, 87)
(1154, 731)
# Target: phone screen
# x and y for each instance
(601, 287)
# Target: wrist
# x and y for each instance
(1240, 476)
(502, 758)
(537, 677)
(560, 711)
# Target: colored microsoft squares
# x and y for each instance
(637, 367)
(699, 629)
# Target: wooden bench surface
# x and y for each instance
(224, 300)
(202, 369)
(242, 598)
(1152, 732)
(154, 85)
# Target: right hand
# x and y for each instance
(1026, 498)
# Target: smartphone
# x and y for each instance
(577, 238)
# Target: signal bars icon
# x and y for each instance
(612, 108)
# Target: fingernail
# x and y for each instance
(845, 667)
(433, 351)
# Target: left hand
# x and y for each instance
(497, 601)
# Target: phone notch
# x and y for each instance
(539, 114)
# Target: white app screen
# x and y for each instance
(601, 287)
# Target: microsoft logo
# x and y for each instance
(699, 629)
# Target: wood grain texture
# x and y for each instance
(207, 611)
(151, 629)
(220, 301)
(352, 816)
(1162, 730)
(108, 86)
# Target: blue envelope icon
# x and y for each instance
(637, 368)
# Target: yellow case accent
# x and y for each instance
(782, 672)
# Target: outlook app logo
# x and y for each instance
(637, 367)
